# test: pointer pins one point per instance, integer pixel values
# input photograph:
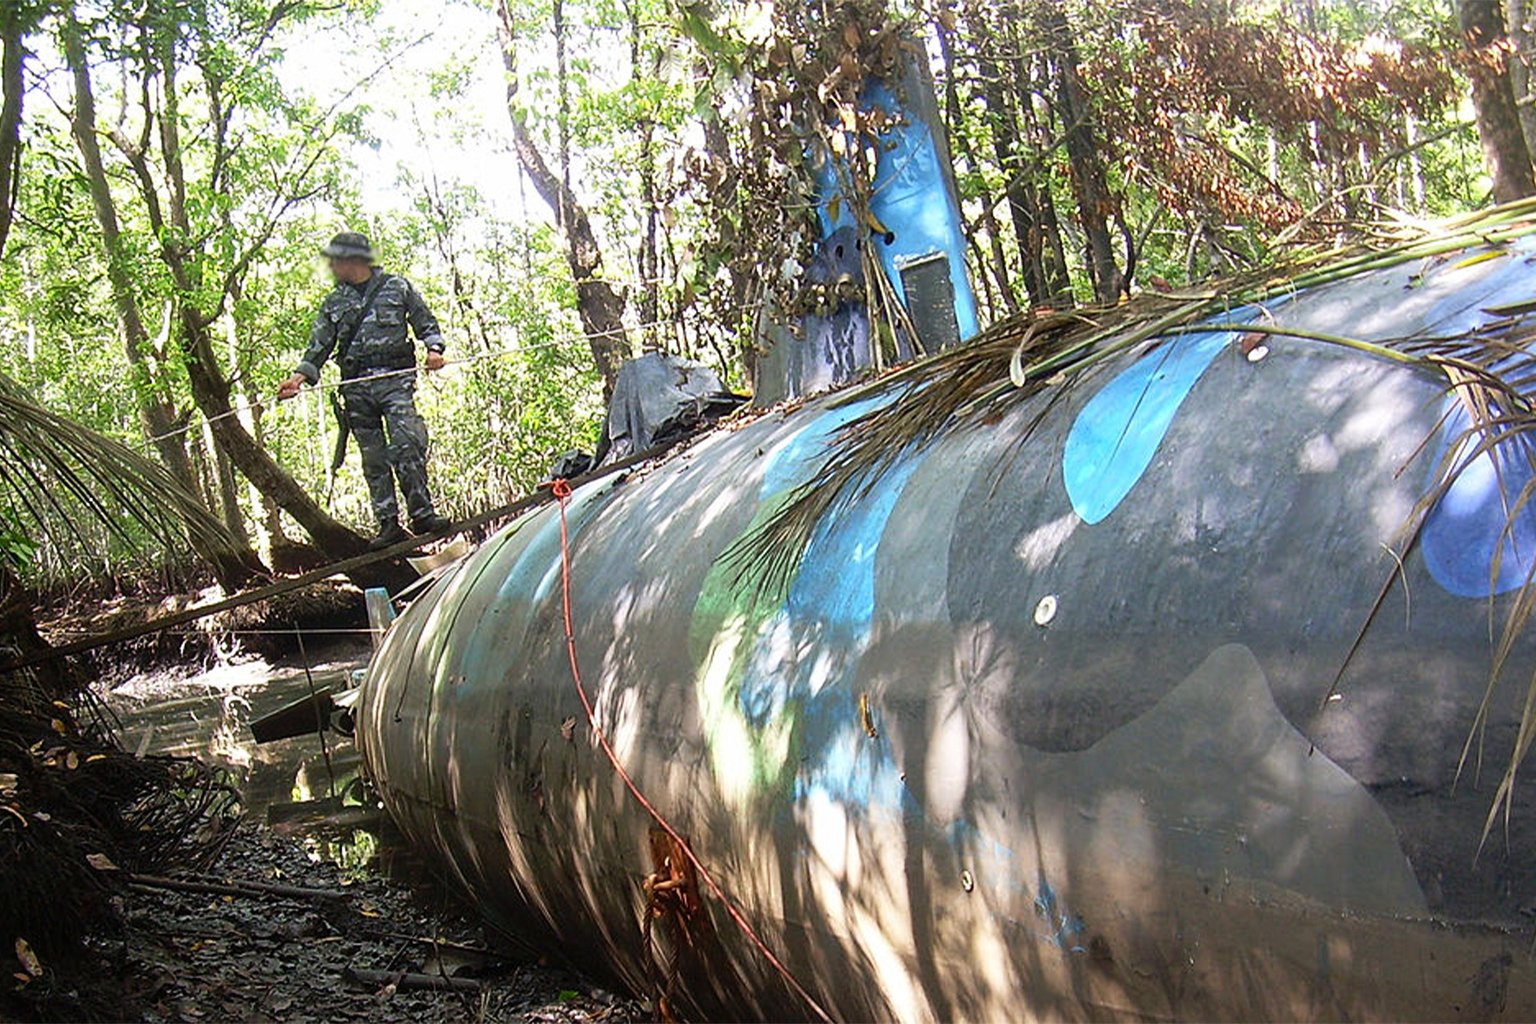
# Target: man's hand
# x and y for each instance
(290, 387)
(435, 361)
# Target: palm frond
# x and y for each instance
(66, 484)
(1489, 370)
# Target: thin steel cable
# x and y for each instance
(262, 405)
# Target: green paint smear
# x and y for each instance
(729, 619)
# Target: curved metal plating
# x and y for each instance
(1036, 729)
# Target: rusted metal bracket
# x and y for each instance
(672, 895)
(672, 887)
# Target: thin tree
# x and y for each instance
(600, 307)
(233, 566)
(1096, 204)
(12, 89)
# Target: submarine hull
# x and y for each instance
(1048, 723)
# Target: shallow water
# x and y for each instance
(278, 960)
(206, 713)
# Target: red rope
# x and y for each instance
(561, 489)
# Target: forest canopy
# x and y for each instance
(571, 183)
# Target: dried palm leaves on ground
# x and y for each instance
(80, 497)
(76, 813)
(1042, 355)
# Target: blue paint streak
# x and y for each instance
(794, 461)
(848, 767)
(1117, 434)
(807, 653)
(1065, 925)
(763, 695)
(1467, 527)
(836, 583)
(832, 604)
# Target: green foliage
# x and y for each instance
(16, 548)
(682, 128)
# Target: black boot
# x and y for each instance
(390, 534)
(430, 524)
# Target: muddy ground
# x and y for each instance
(352, 955)
(364, 950)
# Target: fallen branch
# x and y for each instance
(458, 947)
(325, 572)
(234, 887)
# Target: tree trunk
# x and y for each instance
(272, 515)
(1017, 139)
(1520, 31)
(997, 264)
(1017, 188)
(1023, 204)
(161, 427)
(1493, 99)
(210, 390)
(600, 307)
(266, 515)
(12, 85)
(648, 262)
(1096, 204)
(232, 568)
(227, 488)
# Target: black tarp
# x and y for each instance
(657, 401)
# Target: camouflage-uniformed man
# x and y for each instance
(363, 324)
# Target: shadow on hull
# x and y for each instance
(1036, 730)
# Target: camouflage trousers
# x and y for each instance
(392, 437)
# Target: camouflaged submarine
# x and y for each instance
(1124, 696)
(1074, 673)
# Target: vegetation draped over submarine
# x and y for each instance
(1168, 659)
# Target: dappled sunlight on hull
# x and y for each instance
(983, 757)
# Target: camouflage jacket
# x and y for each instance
(381, 342)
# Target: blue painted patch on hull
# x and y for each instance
(1117, 434)
(804, 655)
(1478, 540)
(832, 600)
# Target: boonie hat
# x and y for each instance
(349, 245)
